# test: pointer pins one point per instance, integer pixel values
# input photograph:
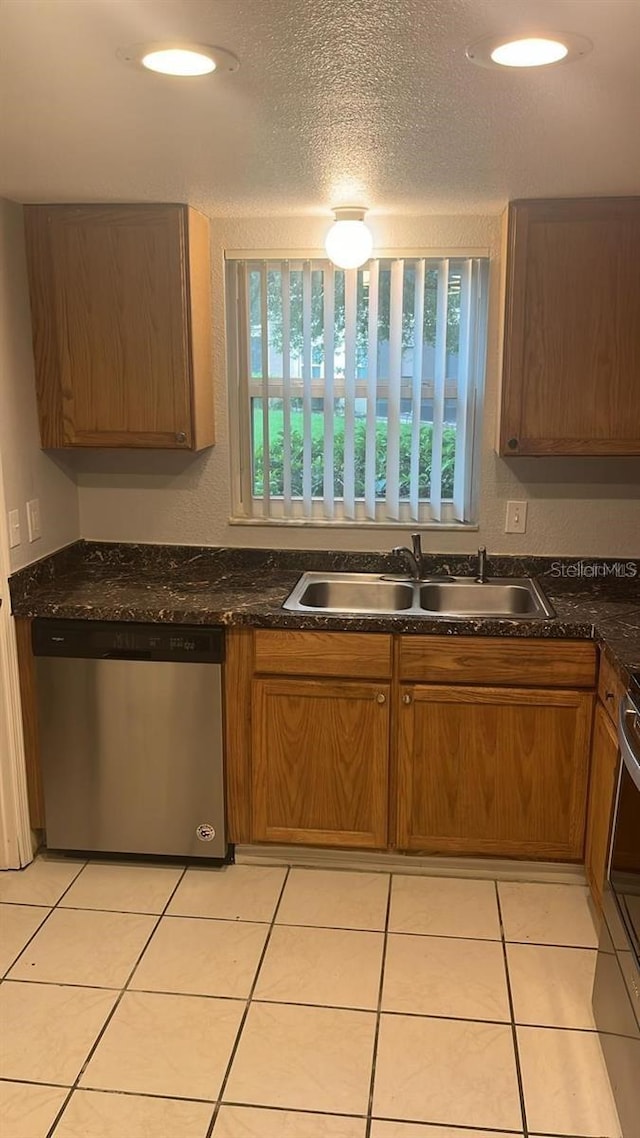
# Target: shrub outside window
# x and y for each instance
(355, 394)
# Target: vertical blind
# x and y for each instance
(355, 392)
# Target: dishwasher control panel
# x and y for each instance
(104, 640)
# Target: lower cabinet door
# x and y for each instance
(605, 758)
(498, 771)
(320, 762)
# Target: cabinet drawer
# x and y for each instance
(361, 655)
(488, 660)
(610, 688)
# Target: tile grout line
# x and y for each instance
(302, 1110)
(299, 1110)
(466, 1129)
(376, 1036)
(5, 974)
(51, 909)
(109, 1091)
(514, 1033)
(301, 925)
(243, 1018)
(51, 1131)
(301, 1003)
(31, 905)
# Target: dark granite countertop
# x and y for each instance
(593, 599)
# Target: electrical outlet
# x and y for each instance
(33, 519)
(516, 519)
(14, 528)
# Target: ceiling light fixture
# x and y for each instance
(528, 51)
(182, 59)
(178, 61)
(349, 241)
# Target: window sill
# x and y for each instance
(323, 523)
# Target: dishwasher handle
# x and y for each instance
(125, 654)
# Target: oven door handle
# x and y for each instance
(628, 714)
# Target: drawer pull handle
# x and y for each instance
(381, 698)
(406, 699)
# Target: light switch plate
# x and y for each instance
(14, 528)
(33, 519)
(516, 519)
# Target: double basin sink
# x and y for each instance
(357, 594)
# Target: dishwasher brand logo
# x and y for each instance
(627, 569)
(206, 832)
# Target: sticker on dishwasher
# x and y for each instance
(206, 832)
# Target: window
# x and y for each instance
(355, 393)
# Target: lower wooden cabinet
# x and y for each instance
(493, 770)
(320, 762)
(343, 741)
(605, 757)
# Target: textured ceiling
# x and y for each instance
(335, 100)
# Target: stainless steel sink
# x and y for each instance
(355, 592)
(461, 598)
(456, 598)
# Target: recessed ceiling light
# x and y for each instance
(528, 51)
(183, 59)
(178, 61)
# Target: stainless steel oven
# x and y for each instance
(616, 990)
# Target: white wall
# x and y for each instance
(28, 471)
(576, 506)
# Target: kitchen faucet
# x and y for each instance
(413, 555)
(481, 565)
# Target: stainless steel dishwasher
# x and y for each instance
(131, 738)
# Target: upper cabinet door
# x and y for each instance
(120, 300)
(571, 376)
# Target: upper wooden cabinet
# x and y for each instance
(571, 375)
(120, 302)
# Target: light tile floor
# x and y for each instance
(140, 1001)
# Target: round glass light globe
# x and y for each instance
(529, 53)
(178, 61)
(349, 244)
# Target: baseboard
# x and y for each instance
(506, 869)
